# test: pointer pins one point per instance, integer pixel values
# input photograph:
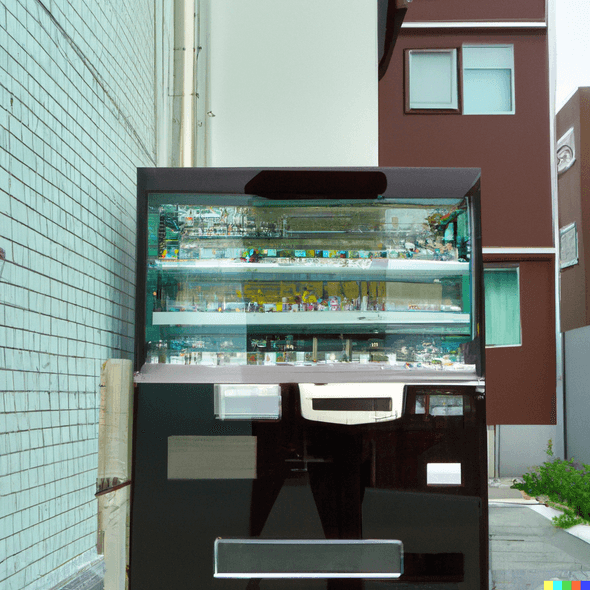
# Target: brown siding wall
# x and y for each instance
(520, 381)
(584, 196)
(483, 10)
(573, 279)
(511, 150)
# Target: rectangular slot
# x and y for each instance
(211, 457)
(307, 558)
(443, 474)
(350, 404)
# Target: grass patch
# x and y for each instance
(565, 484)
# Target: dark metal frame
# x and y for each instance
(156, 502)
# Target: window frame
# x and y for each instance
(510, 46)
(460, 110)
(499, 267)
(459, 78)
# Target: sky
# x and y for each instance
(572, 47)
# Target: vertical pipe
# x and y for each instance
(188, 86)
(201, 72)
(497, 450)
(560, 442)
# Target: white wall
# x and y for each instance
(522, 447)
(577, 389)
(76, 119)
(165, 93)
(292, 83)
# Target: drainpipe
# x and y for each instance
(201, 75)
(182, 152)
(560, 445)
(188, 83)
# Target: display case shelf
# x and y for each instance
(381, 269)
(292, 320)
(305, 373)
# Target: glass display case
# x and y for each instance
(246, 280)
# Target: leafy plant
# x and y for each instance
(565, 483)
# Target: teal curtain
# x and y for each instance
(502, 301)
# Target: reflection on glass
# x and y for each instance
(420, 404)
(446, 405)
(439, 405)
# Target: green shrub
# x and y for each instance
(565, 484)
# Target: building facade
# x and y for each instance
(468, 85)
(573, 154)
(76, 120)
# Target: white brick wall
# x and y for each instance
(76, 119)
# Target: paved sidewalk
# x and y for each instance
(526, 549)
(88, 578)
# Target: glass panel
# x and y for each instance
(487, 91)
(433, 79)
(270, 282)
(488, 56)
(502, 305)
(421, 401)
(314, 558)
(446, 405)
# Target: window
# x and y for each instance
(485, 85)
(432, 80)
(502, 303)
(488, 79)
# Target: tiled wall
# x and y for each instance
(76, 119)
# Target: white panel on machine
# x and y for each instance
(352, 403)
(243, 401)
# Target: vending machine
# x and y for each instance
(309, 394)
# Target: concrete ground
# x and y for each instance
(89, 578)
(526, 549)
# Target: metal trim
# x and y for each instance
(475, 25)
(396, 545)
(500, 250)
